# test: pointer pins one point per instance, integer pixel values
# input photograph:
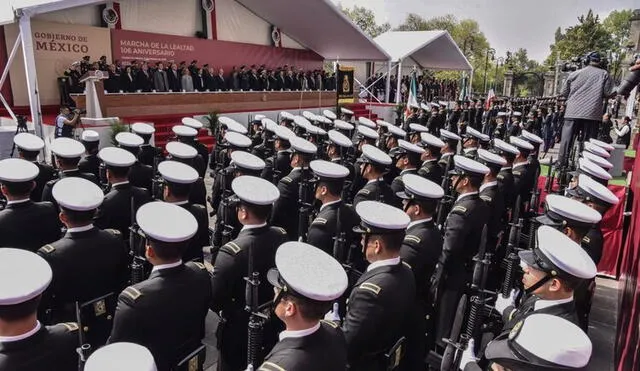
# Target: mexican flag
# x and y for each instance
(412, 99)
(490, 97)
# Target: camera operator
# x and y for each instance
(585, 90)
(624, 133)
(66, 122)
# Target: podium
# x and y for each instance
(94, 92)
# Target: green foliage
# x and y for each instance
(116, 127)
(365, 20)
(212, 121)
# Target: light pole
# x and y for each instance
(486, 67)
(499, 63)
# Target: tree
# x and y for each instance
(618, 25)
(365, 20)
(576, 41)
(527, 73)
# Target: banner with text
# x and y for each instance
(344, 84)
(56, 46)
(133, 45)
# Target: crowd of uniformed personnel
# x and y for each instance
(339, 243)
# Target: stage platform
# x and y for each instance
(154, 104)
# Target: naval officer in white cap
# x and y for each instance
(179, 180)
(463, 230)
(375, 164)
(29, 147)
(521, 170)
(87, 262)
(421, 248)
(552, 271)
(188, 134)
(25, 343)
(335, 216)
(258, 238)
(115, 211)
(505, 176)
(377, 309)
(407, 160)
(67, 153)
(166, 312)
(569, 216)
(432, 146)
(24, 224)
(148, 153)
(140, 175)
(540, 342)
(233, 142)
(90, 163)
(121, 357)
(186, 154)
(306, 281)
(450, 140)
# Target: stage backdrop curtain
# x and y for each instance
(611, 226)
(627, 352)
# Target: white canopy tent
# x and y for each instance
(328, 32)
(435, 50)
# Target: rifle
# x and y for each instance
(157, 183)
(548, 186)
(256, 318)
(85, 348)
(511, 253)
(228, 207)
(458, 341)
(447, 201)
(138, 259)
(305, 204)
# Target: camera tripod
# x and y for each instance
(20, 128)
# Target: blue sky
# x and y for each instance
(507, 24)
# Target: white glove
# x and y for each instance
(502, 303)
(469, 355)
(334, 314)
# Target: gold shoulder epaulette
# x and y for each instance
(330, 323)
(486, 198)
(114, 232)
(200, 265)
(586, 239)
(47, 249)
(132, 293)
(365, 191)
(71, 326)
(371, 287)
(500, 176)
(287, 179)
(281, 230)
(233, 247)
(459, 208)
(407, 264)
(412, 238)
(270, 366)
(319, 221)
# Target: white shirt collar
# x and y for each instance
(505, 168)
(376, 180)
(488, 184)
(467, 150)
(382, 263)
(418, 222)
(405, 170)
(119, 183)
(180, 202)
(519, 164)
(541, 303)
(80, 229)
(300, 333)
(8, 339)
(460, 197)
(330, 203)
(70, 170)
(166, 266)
(253, 226)
(18, 201)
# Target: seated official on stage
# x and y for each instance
(25, 343)
(166, 312)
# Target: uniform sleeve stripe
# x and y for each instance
(270, 366)
(371, 287)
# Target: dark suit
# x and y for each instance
(29, 225)
(325, 349)
(174, 80)
(376, 190)
(115, 211)
(282, 160)
(128, 82)
(324, 228)
(199, 83)
(147, 154)
(285, 209)
(495, 201)
(165, 313)
(141, 176)
(228, 288)
(506, 187)
(144, 81)
(463, 231)
(520, 179)
(50, 348)
(219, 83)
(90, 164)
(201, 238)
(46, 173)
(432, 171)
(377, 315)
(85, 265)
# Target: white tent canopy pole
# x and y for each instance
(24, 23)
(5, 73)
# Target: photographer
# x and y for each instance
(624, 133)
(585, 90)
(66, 122)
